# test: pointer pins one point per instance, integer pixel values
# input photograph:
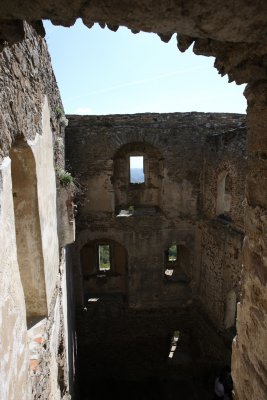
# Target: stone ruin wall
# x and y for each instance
(222, 257)
(191, 162)
(238, 41)
(249, 349)
(34, 355)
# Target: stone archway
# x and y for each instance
(28, 231)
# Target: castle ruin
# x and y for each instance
(153, 281)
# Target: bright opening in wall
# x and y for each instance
(174, 342)
(172, 253)
(171, 258)
(137, 169)
(104, 257)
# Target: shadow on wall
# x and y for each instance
(224, 196)
(28, 231)
(177, 264)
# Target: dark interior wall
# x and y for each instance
(145, 280)
(114, 280)
(189, 150)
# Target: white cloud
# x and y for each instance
(83, 111)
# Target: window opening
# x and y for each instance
(104, 257)
(171, 258)
(172, 253)
(174, 342)
(93, 299)
(137, 169)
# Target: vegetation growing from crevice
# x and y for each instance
(67, 181)
(59, 112)
(65, 178)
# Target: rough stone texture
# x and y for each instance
(25, 77)
(192, 148)
(249, 360)
(222, 241)
(65, 215)
(220, 269)
(218, 157)
(228, 21)
(33, 292)
(186, 152)
(234, 32)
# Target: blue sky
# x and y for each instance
(104, 72)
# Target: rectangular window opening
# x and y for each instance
(104, 257)
(174, 342)
(137, 169)
(172, 253)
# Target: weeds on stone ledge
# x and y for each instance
(68, 181)
(65, 178)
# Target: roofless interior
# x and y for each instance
(190, 206)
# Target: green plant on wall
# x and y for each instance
(65, 178)
(59, 112)
(131, 209)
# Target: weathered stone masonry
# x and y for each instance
(187, 153)
(235, 33)
(34, 333)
